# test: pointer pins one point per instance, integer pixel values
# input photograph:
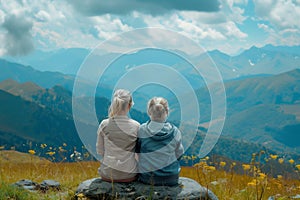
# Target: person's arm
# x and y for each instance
(100, 140)
(179, 148)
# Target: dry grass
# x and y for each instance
(226, 185)
(68, 174)
(231, 186)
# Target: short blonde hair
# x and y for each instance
(158, 109)
(121, 99)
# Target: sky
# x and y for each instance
(227, 25)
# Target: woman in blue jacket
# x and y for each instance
(159, 147)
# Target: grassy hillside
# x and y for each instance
(263, 110)
(251, 183)
(11, 156)
(23, 122)
(31, 116)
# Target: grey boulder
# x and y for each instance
(187, 189)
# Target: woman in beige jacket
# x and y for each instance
(116, 141)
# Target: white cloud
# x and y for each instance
(205, 18)
(58, 24)
(42, 16)
(108, 26)
(263, 26)
(281, 13)
(193, 27)
(282, 16)
(233, 31)
(233, 10)
(2, 16)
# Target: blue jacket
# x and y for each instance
(160, 148)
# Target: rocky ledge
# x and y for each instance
(187, 189)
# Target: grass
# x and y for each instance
(227, 185)
(8, 191)
(16, 166)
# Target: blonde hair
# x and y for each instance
(121, 99)
(158, 109)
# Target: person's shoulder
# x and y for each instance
(143, 125)
(134, 123)
(104, 122)
(174, 127)
(142, 129)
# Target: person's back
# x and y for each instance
(159, 145)
(116, 141)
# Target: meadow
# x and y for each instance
(252, 183)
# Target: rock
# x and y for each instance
(49, 184)
(27, 184)
(277, 196)
(296, 197)
(44, 186)
(187, 189)
(98, 189)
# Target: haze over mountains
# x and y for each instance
(266, 60)
(262, 87)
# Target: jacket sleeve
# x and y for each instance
(179, 147)
(100, 140)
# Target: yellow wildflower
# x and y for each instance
(246, 167)
(254, 182)
(86, 155)
(32, 152)
(298, 167)
(274, 157)
(262, 175)
(51, 153)
(279, 176)
(64, 144)
(206, 158)
(61, 149)
(280, 160)
(43, 146)
(251, 184)
(80, 195)
(211, 168)
(222, 163)
(194, 157)
(291, 161)
(200, 164)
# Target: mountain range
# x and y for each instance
(262, 92)
(265, 60)
(31, 116)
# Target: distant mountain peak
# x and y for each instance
(218, 54)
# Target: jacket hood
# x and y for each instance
(159, 131)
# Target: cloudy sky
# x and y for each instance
(226, 25)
